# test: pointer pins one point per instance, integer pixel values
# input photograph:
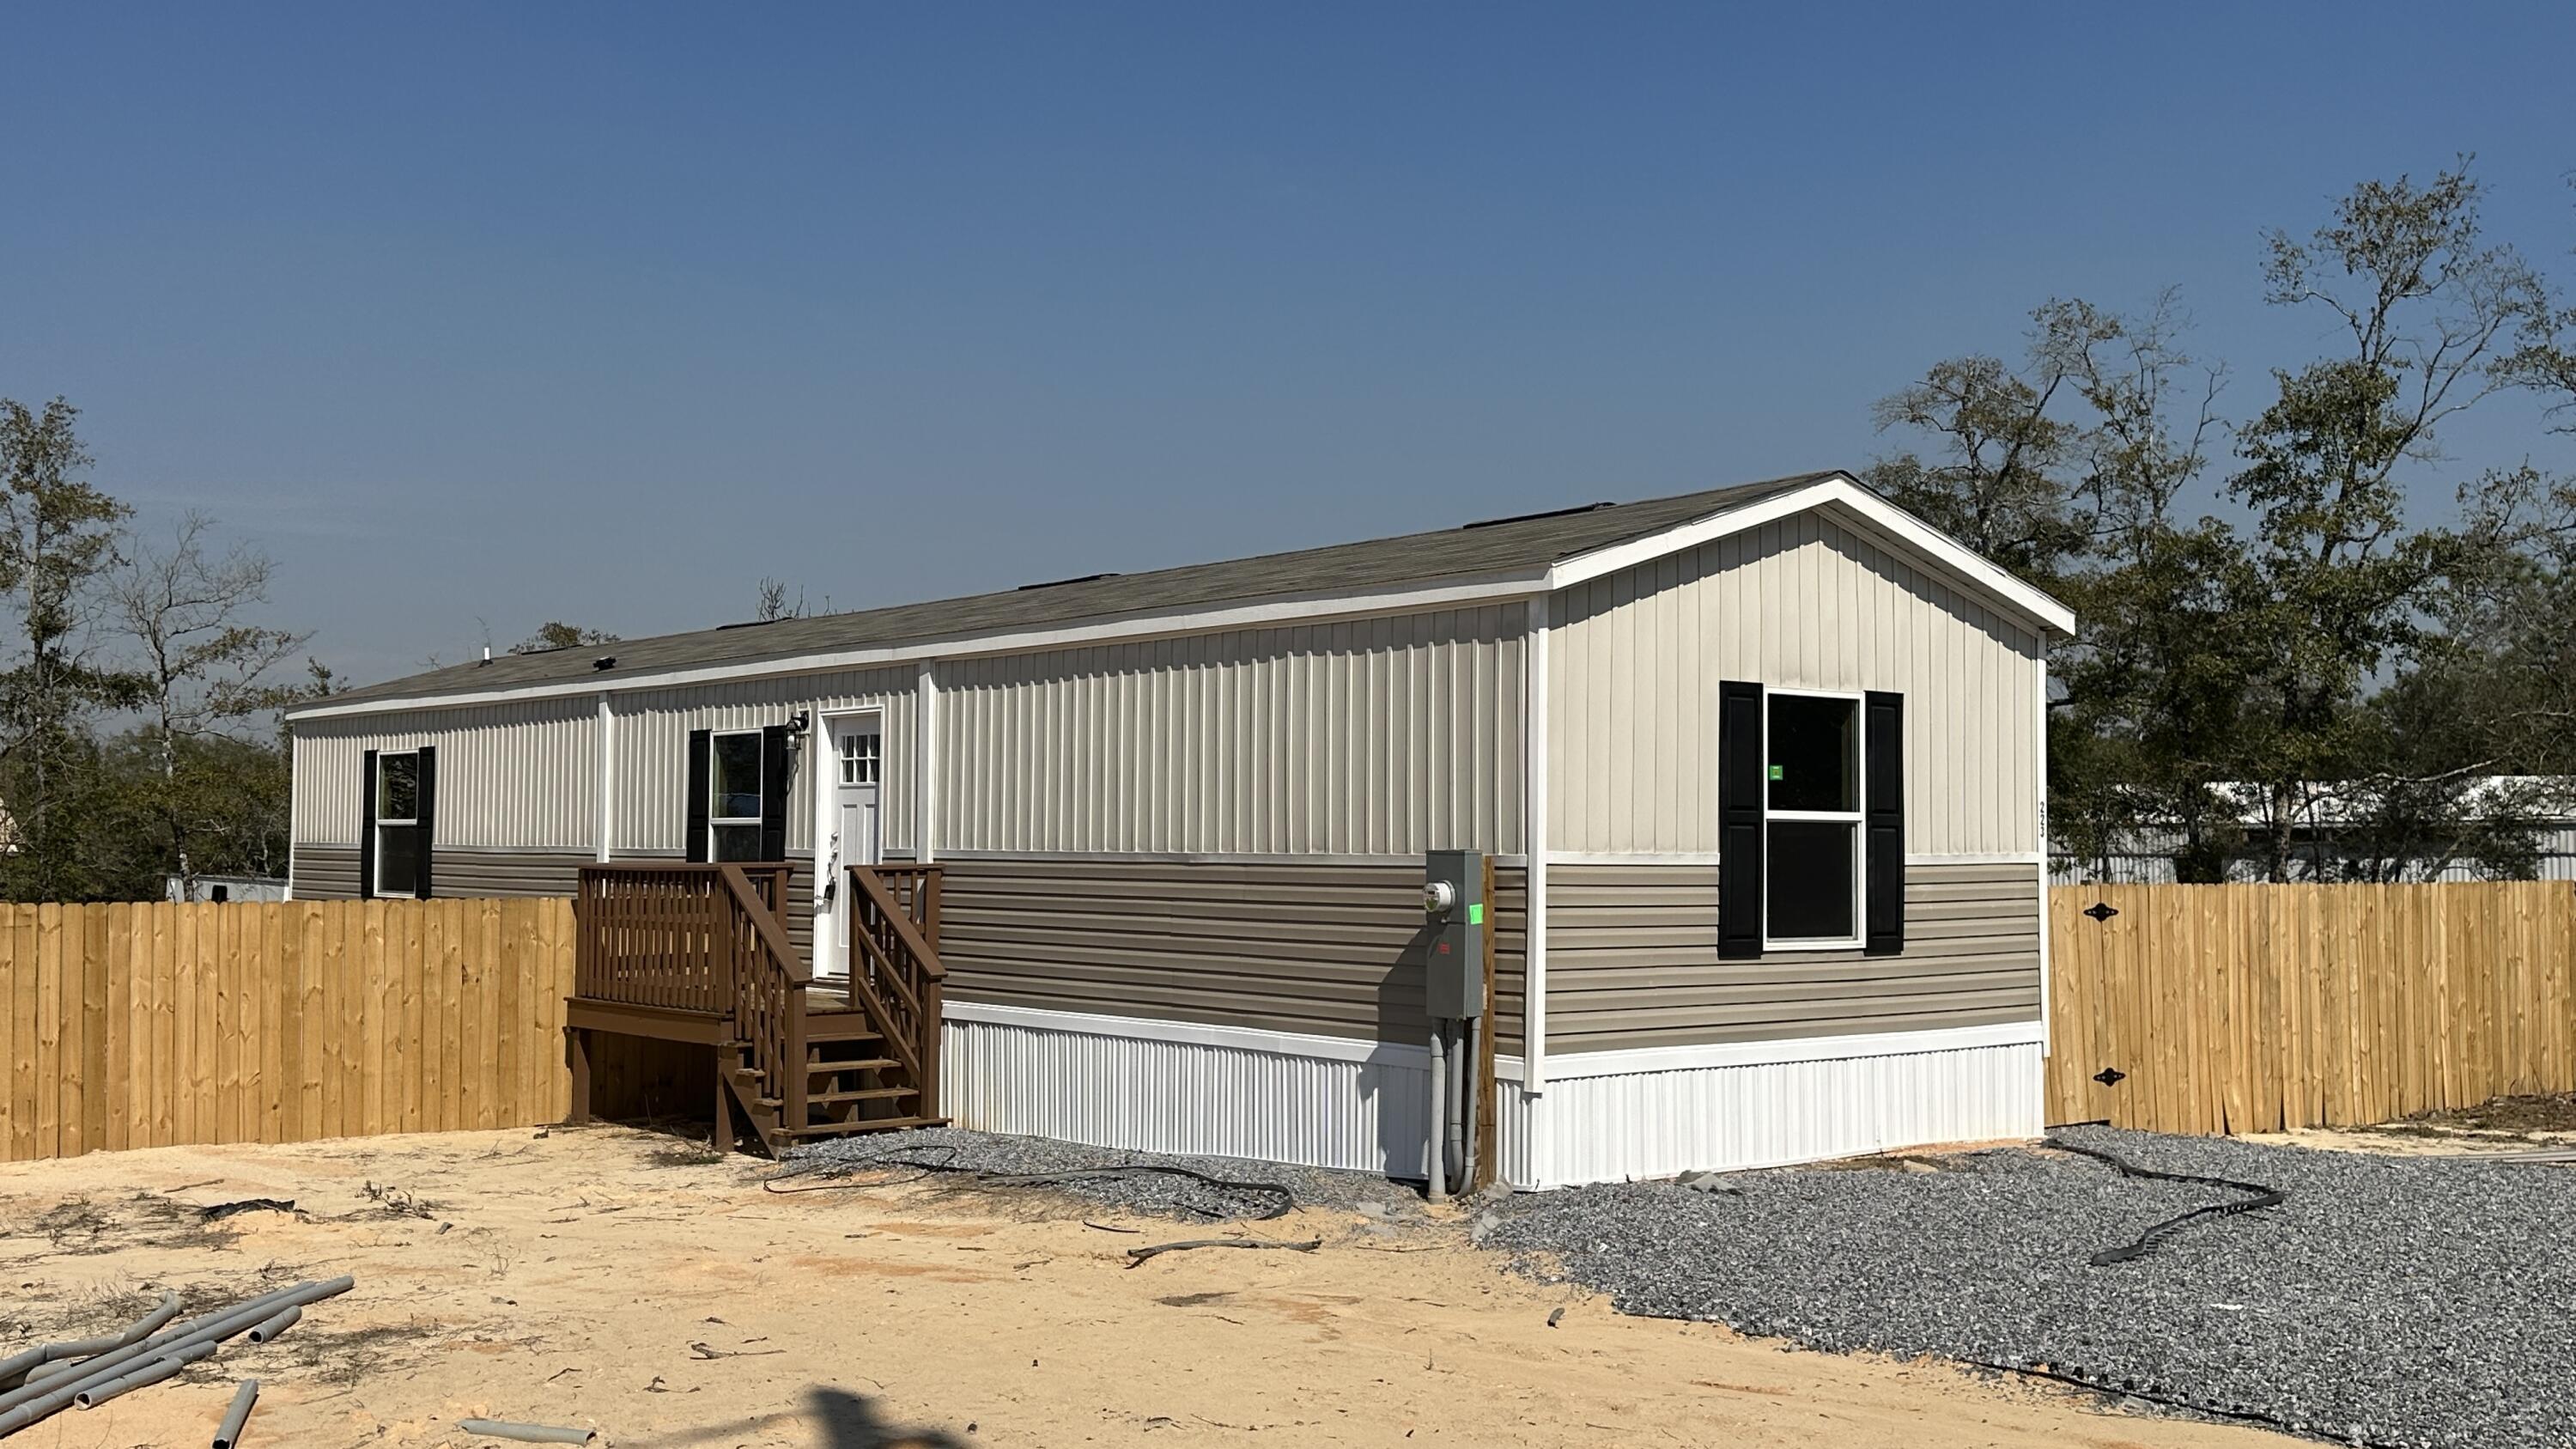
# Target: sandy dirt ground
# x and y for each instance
(610, 1278)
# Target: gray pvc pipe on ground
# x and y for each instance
(17, 1368)
(271, 1327)
(28, 1393)
(238, 1415)
(150, 1371)
(27, 1405)
(525, 1433)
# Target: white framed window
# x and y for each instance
(399, 848)
(734, 793)
(862, 757)
(1814, 798)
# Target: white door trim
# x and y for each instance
(823, 764)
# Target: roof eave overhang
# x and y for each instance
(1893, 524)
(1272, 612)
(1889, 522)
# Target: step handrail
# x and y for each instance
(746, 898)
(766, 989)
(910, 1023)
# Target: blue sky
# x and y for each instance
(475, 317)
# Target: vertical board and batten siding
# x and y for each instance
(1632, 962)
(1385, 736)
(1634, 661)
(523, 775)
(652, 750)
(1322, 950)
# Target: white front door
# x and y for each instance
(849, 833)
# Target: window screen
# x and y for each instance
(733, 796)
(398, 830)
(1811, 874)
(1812, 881)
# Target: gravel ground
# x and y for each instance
(2391, 1301)
(1154, 1193)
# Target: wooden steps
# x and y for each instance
(851, 1084)
(698, 952)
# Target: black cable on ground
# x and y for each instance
(2189, 1406)
(2261, 1197)
(926, 1167)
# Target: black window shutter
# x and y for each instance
(697, 834)
(773, 793)
(1883, 848)
(1739, 820)
(367, 828)
(426, 833)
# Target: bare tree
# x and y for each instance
(774, 603)
(204, 669)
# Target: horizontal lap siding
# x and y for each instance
(521, 775)
(1635, 659)
(330, 872)
(1632, 961)
(1328, 950)
(652, 750)
(1387, 736)
(324, 872)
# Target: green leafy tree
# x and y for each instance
(58, 538)
(2338, 582)
(555, 634)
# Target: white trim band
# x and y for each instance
(1193, 1033)
(1635, 1061)
(1563, 1065)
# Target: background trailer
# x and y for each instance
(1759, 771)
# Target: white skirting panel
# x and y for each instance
(1161, 1086)
(1362, 1109)
(1658, 1123)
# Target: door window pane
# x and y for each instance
(735, 777)
(1810, 881)
(1815, 753)
(736, 842)
(859, 759)
(398, 787)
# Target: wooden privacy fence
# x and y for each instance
(151, 1024)
(2250, 1008)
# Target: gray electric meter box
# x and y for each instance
(1454, 906)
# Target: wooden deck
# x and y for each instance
(697, 953)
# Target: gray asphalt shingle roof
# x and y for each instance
(1528, 543)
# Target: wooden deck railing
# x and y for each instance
(651, 932)
(706, 939)
(895, 974)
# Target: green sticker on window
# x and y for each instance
(1778, 774)
(1475, 913)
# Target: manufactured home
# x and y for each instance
(1752, 779)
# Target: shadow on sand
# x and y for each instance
(838, 1418)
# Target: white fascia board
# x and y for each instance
(1902, 527)
(1290, 609)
